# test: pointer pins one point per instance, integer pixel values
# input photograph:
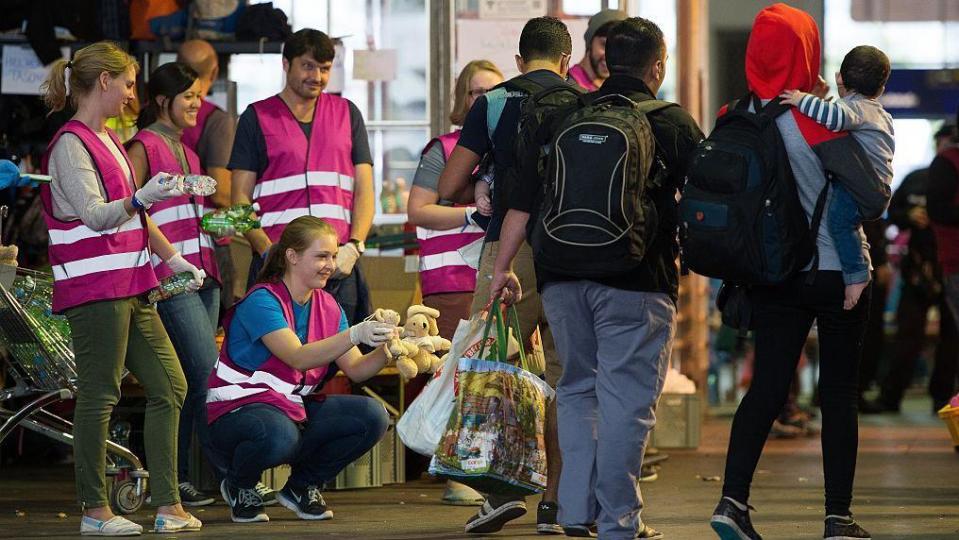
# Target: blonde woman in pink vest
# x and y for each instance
(283, 341)
(305, 152)
(101, 242)
(443, 229)
(190, 319)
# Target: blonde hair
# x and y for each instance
(297, 235)
(461, 92)
(85, 69)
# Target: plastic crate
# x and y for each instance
(678, 421)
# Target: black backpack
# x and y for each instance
(596, 219)
(741, 217)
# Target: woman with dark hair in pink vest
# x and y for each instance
(442, 229)
(101, 242)
(283, 341)
(190, 319)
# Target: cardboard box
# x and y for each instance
(391, 286)
(678, 421)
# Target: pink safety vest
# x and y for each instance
(191, 136)
(578, 74)
(442, 268)
(274, 382)
(91, 266)
(306, 177)
(179, 218)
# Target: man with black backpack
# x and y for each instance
(490, 128)
(757, 198)
(603, 236)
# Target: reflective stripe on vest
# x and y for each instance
(88, 265)
(273, 382)
(178, 218)
(306, 177)
(442, 268)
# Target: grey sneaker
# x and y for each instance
(191, 496)
(731, 523)
(844, 528)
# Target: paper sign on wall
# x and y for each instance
(378, 65)
(22, 71)
(498, 41)
(511, 9)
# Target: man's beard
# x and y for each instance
(595, 64)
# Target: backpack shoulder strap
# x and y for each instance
(496, 99)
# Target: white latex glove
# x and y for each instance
(372, 333)
(178, 264)
(159, 188)
(346, 259)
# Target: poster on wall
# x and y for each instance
(511, 9)
(498, 41)
(22, 72)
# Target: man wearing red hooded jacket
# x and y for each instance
(784, 52)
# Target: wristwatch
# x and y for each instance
(360, 246)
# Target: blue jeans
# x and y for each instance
(337, 431)
(844, 221)
(191, 320)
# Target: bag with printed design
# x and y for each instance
(495, 437)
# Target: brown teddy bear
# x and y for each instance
(421, 330)
(402, 352)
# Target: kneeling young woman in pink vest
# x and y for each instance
(191, 319)
(100, 246)
(283, 341)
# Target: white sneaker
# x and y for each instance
(115, 526)
(165, 523)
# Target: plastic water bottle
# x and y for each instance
(171, 286)
(192, 184)
(227, 221)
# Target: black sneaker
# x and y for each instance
(731, 523)
(267, 495)
(546, 518)
(246, 506)
(190, 496)
(490, 519)
(306, 502)
(844, 528)
(580, 531)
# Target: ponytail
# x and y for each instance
(298, 235)
(55, 87)
(84, 71)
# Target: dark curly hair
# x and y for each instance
(865, 70)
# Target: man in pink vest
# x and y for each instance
(212, 140)
(591, 71)
(305, 152)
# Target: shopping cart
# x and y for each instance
(40, 361)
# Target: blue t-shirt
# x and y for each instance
(257, 316)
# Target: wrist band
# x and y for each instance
(136, 202)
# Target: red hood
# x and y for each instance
(783, 51)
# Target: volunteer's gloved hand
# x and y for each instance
(346, 259)
(159, 188)
(10, 175)
(372, 333)
(178, 264)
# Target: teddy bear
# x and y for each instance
(402, 352)
(421, 330)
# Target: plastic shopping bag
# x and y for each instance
(495, 438)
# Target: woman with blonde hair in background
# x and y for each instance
(100, 248)
(442, 229)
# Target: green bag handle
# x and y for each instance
(502, 336)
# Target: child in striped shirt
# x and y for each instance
(860, 81)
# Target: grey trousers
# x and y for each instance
(614, 346)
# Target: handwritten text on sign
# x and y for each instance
(22, 71)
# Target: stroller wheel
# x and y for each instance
(124, 498)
